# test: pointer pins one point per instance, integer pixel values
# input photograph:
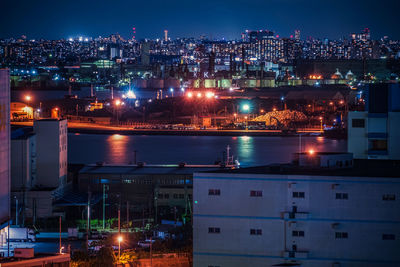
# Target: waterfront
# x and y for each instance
(249, 150)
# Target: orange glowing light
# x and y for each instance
(341, 102)
(117, 102)
(331, 103)
(311, 151)
(199, 95)
(262, 111)
(320, 118)
(274, 109)
(120, 239)
(190, 94)
(28, 98)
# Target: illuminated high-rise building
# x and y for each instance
(166, 35)
(297, 34)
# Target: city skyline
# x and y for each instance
(221, 19)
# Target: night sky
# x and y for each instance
(55, 19)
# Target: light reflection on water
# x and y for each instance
(117, 146)
(250, 151)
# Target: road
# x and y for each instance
(91, 128)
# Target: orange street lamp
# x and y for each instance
(119, 247)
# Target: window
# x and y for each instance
(388, 237)
(160, 196)
(341, 235)
(166, 196)
(342, 196)
(358, 123)
(181, 196)
(378, 144)
(214, 230)
(254, 193)
(214, 192)
(255, 232)
(389, 197)
(298, 233)
(298, 194)
(175, 196)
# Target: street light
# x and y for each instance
(246, 107)
(119, 247)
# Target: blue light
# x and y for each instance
(282, 98)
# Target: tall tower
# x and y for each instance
(297, 35)
(133, 33)
(166, 35)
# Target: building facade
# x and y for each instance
(375, 133)
(52, 147)
(269, 216)
(4, 151)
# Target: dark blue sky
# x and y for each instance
(56, 19)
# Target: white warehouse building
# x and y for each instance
(343, 214)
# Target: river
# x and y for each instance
(250, 151)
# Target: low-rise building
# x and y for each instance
(323, 210)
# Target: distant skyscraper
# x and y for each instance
(297, 34)
(166, 35)
(4, 150)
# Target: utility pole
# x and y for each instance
(119, 220)
(127, 214)
(60, 234)
(16, 210)
(88, 221)
(104, 206)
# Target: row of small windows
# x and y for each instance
(299, 233)
(259, 193)
(175, 196)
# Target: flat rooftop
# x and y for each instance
(147, 169)
(361, 168)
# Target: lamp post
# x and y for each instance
(119, 247)
(117, 104)
(321, 129)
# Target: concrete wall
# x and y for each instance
(23, 162)
(51, 138)
(364, 216)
